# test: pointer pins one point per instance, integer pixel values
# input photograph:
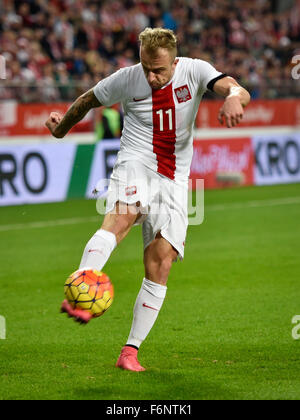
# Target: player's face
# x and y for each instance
(158, 68)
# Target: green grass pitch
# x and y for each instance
(225, 329)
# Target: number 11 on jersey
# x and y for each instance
(161, 119)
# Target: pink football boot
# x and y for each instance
(81, 316)
(128, 360)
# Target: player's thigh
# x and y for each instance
(158, 258)
(120, 220)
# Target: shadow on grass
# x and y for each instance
(154, 385)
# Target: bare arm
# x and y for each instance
(59, 126)
(236, 99)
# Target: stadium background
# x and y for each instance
(55, 50)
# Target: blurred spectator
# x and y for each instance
(69, 45)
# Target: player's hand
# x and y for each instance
(232, 112)
(53, 122)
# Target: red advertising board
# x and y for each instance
(29, 119)
(223, 162)
(259, 113)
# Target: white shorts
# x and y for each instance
(162, 202)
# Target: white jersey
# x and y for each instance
(158, 124)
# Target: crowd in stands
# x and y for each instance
(57, 49)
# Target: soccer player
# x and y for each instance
(160, 98)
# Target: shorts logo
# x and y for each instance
(130, 190)
(183, 94)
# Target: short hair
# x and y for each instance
(153, 38)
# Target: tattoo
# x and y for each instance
(77, 112)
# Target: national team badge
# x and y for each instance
(130, 190)
(183, 94)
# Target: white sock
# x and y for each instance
(146, 309)
(98, 250)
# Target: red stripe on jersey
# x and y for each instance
(164, 130)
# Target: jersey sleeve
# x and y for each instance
(204, 73)
(112, 89)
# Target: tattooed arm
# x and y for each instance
(59, 126)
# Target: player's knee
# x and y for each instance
(158, 260)
(124, 222)
(165, 266)
(159, 267)
(119, 224)
(125, 217)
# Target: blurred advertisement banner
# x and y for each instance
(39, 173)
(29, 119)
(259, 113)
(104, 160)
(277, 159)
(35, 173)
(223, 162)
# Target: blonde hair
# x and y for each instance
(153, 38)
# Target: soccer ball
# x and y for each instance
(89, 290)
